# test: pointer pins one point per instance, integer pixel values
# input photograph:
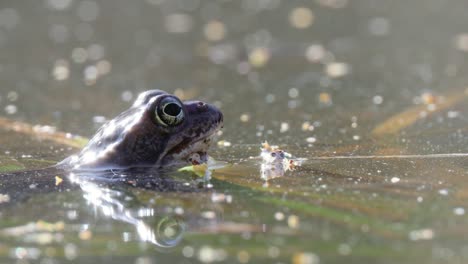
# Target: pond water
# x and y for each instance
(371, 94)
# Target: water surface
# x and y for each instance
(371, 93)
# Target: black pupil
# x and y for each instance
(172, 109)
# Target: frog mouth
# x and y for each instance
(191, 150)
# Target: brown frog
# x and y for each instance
(157, 130)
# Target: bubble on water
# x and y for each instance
(307, 126)
(208, 254)
(325, 99)
(377, 99)
(88, 11)
(394, 180)
(29, 253)
(453, 114)
(258, 57)
(356, 137)
(279, 216)
(293, 92)
(11, 109)
(90, 74)
(315, 53)
(224, 143)
(104, 67)
(461, 42)
(58, 33)
(311, 140)
(270, 98)
(379, 26)
(79, 55)
(214, 30)
(337, 69)
(126, 96)
(421, 234)
(12, 96)
(284, 127)
(71, 251)
(58, 4)
(459, 211)
(305, 258)
(178, 23)
(188, 251)
(245, 118)
(301, 17)
(443, 192)
(61, 70)
(293, 221)
(85, 235)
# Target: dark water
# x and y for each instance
(382, 82)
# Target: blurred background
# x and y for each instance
(318, 77)
(295, 72)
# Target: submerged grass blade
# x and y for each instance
(43, 132)
(404, 119)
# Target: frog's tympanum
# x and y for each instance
(158, 130)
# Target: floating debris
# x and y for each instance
(58, 180)
(275, 162)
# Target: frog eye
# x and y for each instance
(169, 112)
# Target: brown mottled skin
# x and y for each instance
(142, 136)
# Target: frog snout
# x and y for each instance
(207, 110)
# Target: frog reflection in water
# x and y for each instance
(157, 130)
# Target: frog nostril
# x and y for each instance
(201, 106)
